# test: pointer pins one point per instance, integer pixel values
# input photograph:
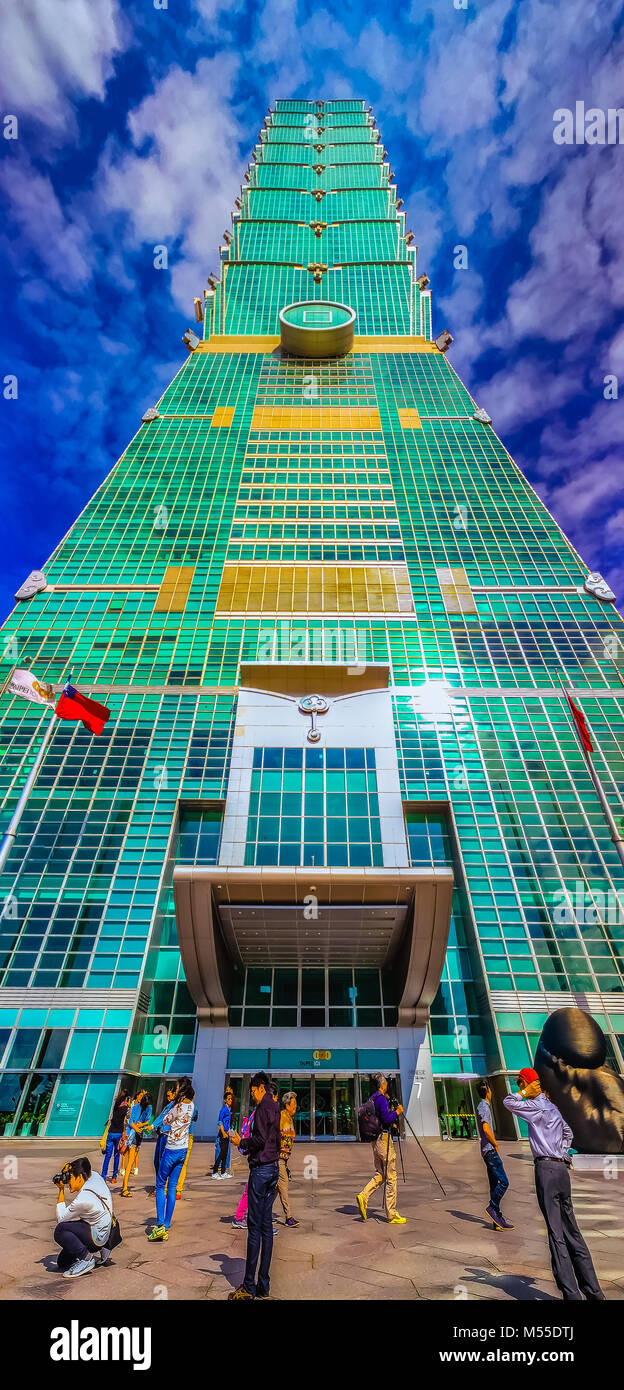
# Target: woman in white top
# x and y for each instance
(179, 1119)
(84, 1222)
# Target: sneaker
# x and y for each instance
(506, 1225)
(362, 1205)
(80, 1267)
(230, 1175)
(136, 1172)
(262, 1295)
(239, 1294)
(494, 1216)
(275, 1229)
(113, 1180)
(240, 1225)
(158, 1233)
(218, 1176)
(105, 1255)
(398, 1220)
(291, 1221)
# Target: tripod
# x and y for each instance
(415, 1136)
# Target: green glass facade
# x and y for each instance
(289, 509)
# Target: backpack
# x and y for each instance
(369, 1124)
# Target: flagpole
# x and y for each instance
(8, 839)
(617, 838)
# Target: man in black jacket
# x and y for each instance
(262, 1149)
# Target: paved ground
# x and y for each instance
(446, 1251)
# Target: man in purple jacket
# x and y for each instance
(384, 1155)
(262, 1149)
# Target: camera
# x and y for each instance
(63, 1176)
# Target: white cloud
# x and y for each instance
(179, 182)
(53, 51)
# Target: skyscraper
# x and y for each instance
(339, 819)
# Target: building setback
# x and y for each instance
(339, 819)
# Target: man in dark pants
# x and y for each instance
(550, 1138)
(497, 1177)
(262, 1149)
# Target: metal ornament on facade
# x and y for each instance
(596, 585)
(35, 584)
(313, 705)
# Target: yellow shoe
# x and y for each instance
(398, 1220)
(362, 1205)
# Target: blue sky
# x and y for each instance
(135, 127)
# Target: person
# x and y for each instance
(179, 1119)
(464, 1121)
(138, 1120)
(550, 1138)
(182, 1177)
(160, 1127)
(114, 1133)
(262, 1149)
(224, 1124)
(84, 1223)
(384, 1155)
(497, 1177)
(287, 1132)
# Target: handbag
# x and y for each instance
(103, 1139)
(124, 1143)
(114, 1235)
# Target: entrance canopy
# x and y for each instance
(396, 919)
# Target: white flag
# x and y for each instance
(25, 684)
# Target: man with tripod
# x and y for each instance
(383, 1120)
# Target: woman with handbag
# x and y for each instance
(113, 1133)
(138, 1120)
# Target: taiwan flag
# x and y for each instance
(581, 727)
(73, 705)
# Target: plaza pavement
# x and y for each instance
(447, 1250)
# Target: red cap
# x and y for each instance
(527, 1075)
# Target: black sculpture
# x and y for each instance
(571, 1064)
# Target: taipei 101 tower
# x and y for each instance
(341, 818)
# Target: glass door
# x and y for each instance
(324, 1107)
(345, 1107)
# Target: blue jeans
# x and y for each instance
(112, 1141)
(499, 1182)
(159, 1149)
(260, 1195)
(167, 1176)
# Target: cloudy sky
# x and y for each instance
(135, 125)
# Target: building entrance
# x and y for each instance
(327, 1105)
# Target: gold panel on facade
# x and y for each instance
(174, 590)
(310, 417)
(456, 592)
(223, 416)
(409, 418)
(315, 589)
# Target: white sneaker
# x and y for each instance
(80, 1267)
(218, 1176)
(105, 1255)
(227, 1175)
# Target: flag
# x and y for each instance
(25, 684)
(73, 705)
(581, 727)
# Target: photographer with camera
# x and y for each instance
(84, 1222)
(377, 1121)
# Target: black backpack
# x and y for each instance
(369, 1124)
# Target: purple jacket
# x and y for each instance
(385, 1115)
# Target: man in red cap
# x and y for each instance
(550, 1138)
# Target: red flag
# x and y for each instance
(581, 727)
(73, 705)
